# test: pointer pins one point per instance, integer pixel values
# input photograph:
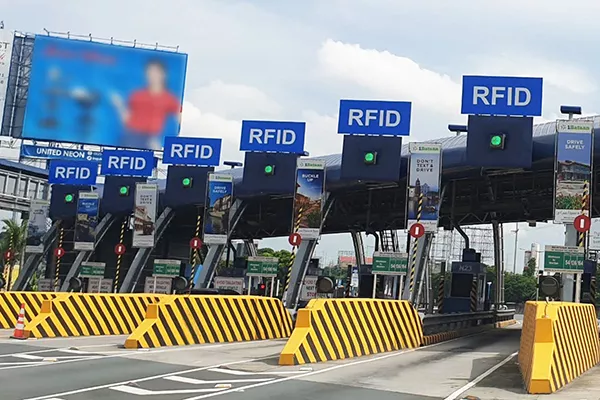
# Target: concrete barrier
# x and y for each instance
(10, 305)
(184, 320)
(76, 314)
(333, 329)
(559, 342)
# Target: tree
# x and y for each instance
(283, 256)
(529, 269)
(15, 234)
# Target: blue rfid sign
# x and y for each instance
(127, 163)
(69, 172)
(273, 136)
(369, 117)
(58, 153)
(192, 151)
(501, 95)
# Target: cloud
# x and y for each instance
(321, 134)
(390, 76)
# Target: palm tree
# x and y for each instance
(14, 233)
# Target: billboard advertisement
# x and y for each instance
(59, 153)
(6, 46)
(86, 221)
(37, 225)
(146, 203)
(219, 199)
(308, 198)
(423, 197)
(95, 93)
(573, 170)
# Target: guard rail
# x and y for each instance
(439, 323)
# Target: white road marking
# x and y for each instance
(28, 357)
(481, 377)
(146, 392)
(26, 364)
(246, 373)
(193, 381)
(74, 351)
(53, 349)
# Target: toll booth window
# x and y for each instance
(461, 285)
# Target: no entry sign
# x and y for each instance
(417, 230)
(195, 243)
(295, 239)
(59, 252)
(582, 223)
(120, 249)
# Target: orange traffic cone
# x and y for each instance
(20, 327)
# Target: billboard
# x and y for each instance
(308, 199)
(86, 221)
(58, 153)
(573, 170)
(37, 225)
(96, 93)
(219, 199)
(6, 46)
(146, 203)
(423, 197)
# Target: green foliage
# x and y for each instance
(569, 202)
(519, 288)
(284, 257)
(18, 233)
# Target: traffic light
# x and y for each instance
(124, 191)
(262, 288)
(187, 182)
(269, 170)
(69, 198)
(497, 141)
(370, 158)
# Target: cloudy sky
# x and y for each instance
(273, 59)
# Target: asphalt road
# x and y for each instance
(97, 368)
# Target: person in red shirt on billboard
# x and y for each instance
(146, 112)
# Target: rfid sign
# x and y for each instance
(67, 172)
(498, 95)
(368, 117)
(273, 136)
(192, 151)
(127, 163)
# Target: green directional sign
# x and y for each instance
(566, 259)
(262, 266)
(92, 269)
(386, 263)
(166, 268)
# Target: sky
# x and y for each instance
(268, 59)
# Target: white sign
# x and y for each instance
(235, 284)
(309, 287)
(37, 225)
(6, 45)
(146, 201)
(105, 286)
(45, 285)
(160, 285)
(595, 239)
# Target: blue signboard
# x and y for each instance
(369, 117)
(68, 172)
(95, 93)
(273, 136)
(127, 163)
(502, 95)
(192, 151)
(86, 221)
(57, 153)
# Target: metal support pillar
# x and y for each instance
(501, 244)
(568, 280)
(423, 246)
(83, 255)
(359, 247)
(142, 255)
(215, 251)
(498, 262)
(251, 247)
(34, 260)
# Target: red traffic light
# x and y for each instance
(262, 286)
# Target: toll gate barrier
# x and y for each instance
(185, 320)
(334, 329)
(10, 305)
(559, 342)
(87, 314)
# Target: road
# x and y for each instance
(481, 365)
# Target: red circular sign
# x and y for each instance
(59, 252)
(417, 230)
(295, 239)
(195, 243)
(582, 223)
(8, 255)
(120, 249)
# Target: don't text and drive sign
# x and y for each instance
(273, 136)
(65, 172)
(368, 117)
(567, 259)
(192, 151)
(502, 95)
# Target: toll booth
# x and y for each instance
(468, 286)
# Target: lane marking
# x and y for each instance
(193, 381)
(28, 357)
(148, 378)
(246, 373)
(74, 351)
(46, 350)
(481, 377)
(26, 364)
(146, 392)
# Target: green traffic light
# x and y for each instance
(186, 182)
(124, 190)
(269, 169)
(69, 198)
(369, 157)
(496, 140)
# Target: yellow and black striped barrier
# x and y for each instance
(334, 329)
(77, 314)
(559, 343)
(10, 305)
(184, 320)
